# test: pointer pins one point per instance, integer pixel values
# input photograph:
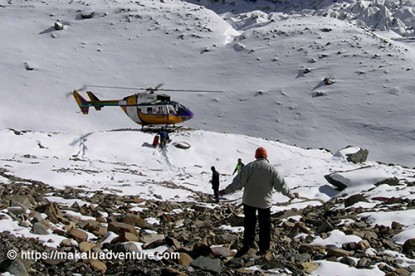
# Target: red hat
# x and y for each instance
(261, 152)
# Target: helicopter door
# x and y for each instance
(131, 109)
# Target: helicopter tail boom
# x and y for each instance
(95, 101)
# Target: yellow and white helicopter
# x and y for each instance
(146, 109)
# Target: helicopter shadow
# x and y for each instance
(147, 145)
(124, 129)
(80, 139)
(144, 130)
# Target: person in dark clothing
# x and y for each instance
(215, 183)
(258, 179)
(164, 137)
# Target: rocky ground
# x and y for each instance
(193, 230)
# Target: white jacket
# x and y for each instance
(258, 178)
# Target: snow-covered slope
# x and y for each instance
(125, 162)
(256, 58)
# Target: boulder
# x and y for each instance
(26, 200)
(152, 238)
(221, 252)
(127, 237)
(184, 259)
(78, 235)
(86, 246)
(359, 179)
(354, 199)
(309, 267)
(311, 248)
(40, 229)
(16, 210)
(353, 154)
(50, 209)
(120, 228)
(136, 221)
(87, 14)
(14, 267)
(58, 26)
(328, 81)
(325, 227)
(126, 247)
(408, 247)
(98, 265)
(181, 145)
(338, 252)
(208, 264)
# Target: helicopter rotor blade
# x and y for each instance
(158, 86)
(114, 87)
(192, 90)
(150, 89)
(69, 94)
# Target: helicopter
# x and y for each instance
(146, 108)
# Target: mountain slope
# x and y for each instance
(256, 58)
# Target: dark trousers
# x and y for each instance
(163, 143)
(216, 193)
(264, 219)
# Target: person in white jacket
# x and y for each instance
(258, 179)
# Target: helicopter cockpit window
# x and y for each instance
(180, 108)
(171, 110)
(149, 110)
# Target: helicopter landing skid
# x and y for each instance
(158, 128)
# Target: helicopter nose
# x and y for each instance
(187, 114)
(184, 113)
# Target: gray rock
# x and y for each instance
(235, 263)
(87, 14)
(325, 227)
(152, 238)
(393, 181)
(409, 247)
(208, 264)
(58, 26)
(126, 247)
(40, 229)
(348, 261)
(342, 179)
(221, 252)
(363, 263)
(358, 157)
(328, 81)
(14, 267)
(226, 238)
(16, 210)
(338, 252)
(353, 154)
(354, 199)
(26, 200)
